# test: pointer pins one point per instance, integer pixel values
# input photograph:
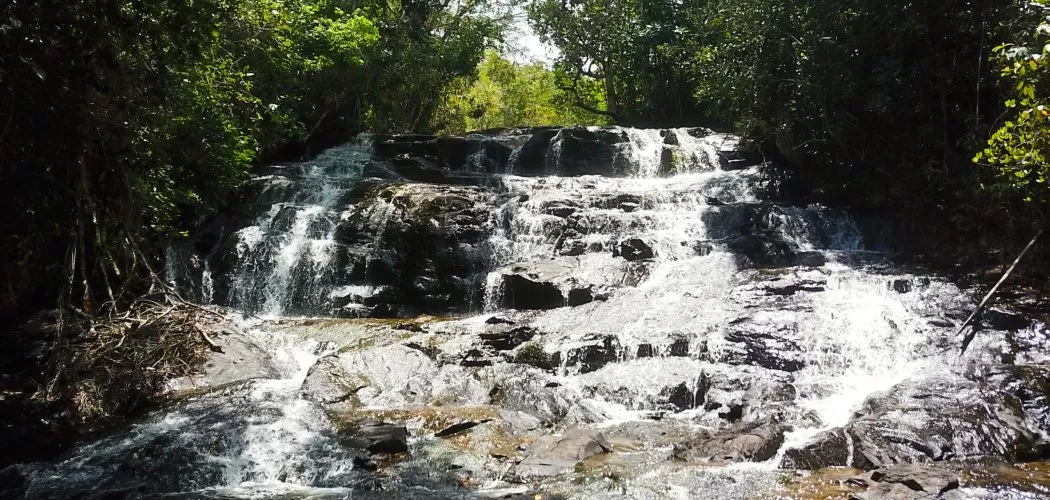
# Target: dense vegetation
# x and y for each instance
(123, 123)
(881, 106)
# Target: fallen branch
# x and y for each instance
(980, 307)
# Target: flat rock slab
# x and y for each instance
(236, 358)
(553, 455)
(749, 443)
(392, 375)
(907, 481)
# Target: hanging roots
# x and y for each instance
(111, 366)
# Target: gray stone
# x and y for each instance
(908, 482)
(392, 375)
(553, 455)
(746, 443)
(236, 359)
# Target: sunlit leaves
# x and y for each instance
(1019, 149)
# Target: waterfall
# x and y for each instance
(660, 287)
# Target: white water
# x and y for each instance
(283, 263)
(847, 336)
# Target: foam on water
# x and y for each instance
(683, 197)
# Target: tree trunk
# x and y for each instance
(610, 91)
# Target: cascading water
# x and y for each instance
(649, 285)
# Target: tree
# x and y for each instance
(506, 95)
(595, 38)
(1019, 150)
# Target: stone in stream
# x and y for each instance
(825, 450)
(507, 340)
(753, 340)
(944, 418)
(376, 437)
(591, 353)
(522, 291)
(755, 442)
(633, 249)
(553, 455)
(235, 359)
(553, 284)
(907, 482)
(393, 375)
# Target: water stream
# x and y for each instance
(652, 285)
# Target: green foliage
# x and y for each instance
(125, 123)
(1019, 149)
(633, 49)
(507, 95)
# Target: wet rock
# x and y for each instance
(750, 341)
(682, 396)
(592, 352)
(786, 288)
(907, 482)
(573, 248)
(553, 455)
(508, 340)
(634, 249)
(747, 443)
(762, 251)
(538, 394)
(533, 354)
(519, 422)
(12, 482)
(459, 428)
(538, 285)
(392, 375)
(236, 359)
(670, 137)
(377, 437)
(828, 449)
(901, 285)
(946, 418)
(670, 385)
(499, 320)
(523, 291)
(1030, 384)
(580, 296)
(532, 157)
(560, 209)
(647, 434)
(590, 152)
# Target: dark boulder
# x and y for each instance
(758, 344)
(377, 437)
(507, 340)
(942, 419)
(634, 249)
(946, 418)
(580, 296)
(763, 251)
(590, 152)
(532, 157)
(521, 291)
(591, 353)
